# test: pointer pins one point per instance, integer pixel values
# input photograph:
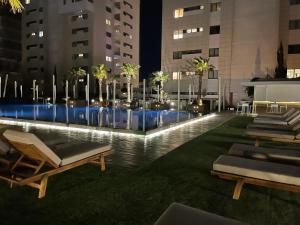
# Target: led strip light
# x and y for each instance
(153, 133)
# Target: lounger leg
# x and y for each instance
(102, 163)
(238, 189)
(17, 162)
(39, 167)
(43, 186)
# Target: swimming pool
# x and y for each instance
(133, 120)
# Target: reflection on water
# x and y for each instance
(136, 150)
(94, 116)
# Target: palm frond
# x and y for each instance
(16, 5)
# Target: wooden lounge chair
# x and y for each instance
(37, 162)
(290, 120)
(273, 135)
(269, 154)
(256, 172)
(276, 115)
(289, 127)
(178, 214)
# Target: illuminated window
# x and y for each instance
(178, 34)
(176, 75)
(293, 73)
(215, 7)
(108, 22)
(178, 13)
(80, 55)
(41, 34)
(33, 34)
(108, 59)
(190, 73)
(27, 2)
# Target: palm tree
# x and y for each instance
(75, 74)
(130, 71)
(100, 73)
(201, 65)
(161, 77)
(16, 5)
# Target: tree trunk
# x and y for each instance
(200, 86)
(162, 92)
(128, 92)
(76, 89)
(100, 91)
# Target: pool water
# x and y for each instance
(137, 120)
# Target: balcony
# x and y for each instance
(67, 6)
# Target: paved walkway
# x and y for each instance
(136, 151)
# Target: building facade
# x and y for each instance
(10, 43)
(240, 37)
(61, 34)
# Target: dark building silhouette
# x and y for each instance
(10, 43)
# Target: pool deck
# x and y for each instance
(131, 149)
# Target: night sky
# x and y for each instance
(150, 49)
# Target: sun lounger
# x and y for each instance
(256, 172)
(276, 115)
(37, 162)
(270, 154)
(274, 135)
(294, 118)
(291, 127)
(178, 214)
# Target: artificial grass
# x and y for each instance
(123, 196)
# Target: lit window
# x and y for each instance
(190, 73)
(194, 30)
(178, 13)
(80, 55)
(178, 34)
(189, 31)
(27, 2)
(176, 75)
(293, 73)
(108, 22)
(108, 59)
(201, 29)
(33, 34)
(41, 34)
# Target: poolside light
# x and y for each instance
(95, 131)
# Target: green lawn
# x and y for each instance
(138, 196)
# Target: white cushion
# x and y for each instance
(178, 214)
(271, 133)
(31, 139)
(76, 152)
(262, 170)
(4, 148)
(261, 152)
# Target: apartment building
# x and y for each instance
(241, 38)
(10, 43)
(61, 34)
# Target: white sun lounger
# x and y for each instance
(273, 154)
(178, 214)
(256, 172)
(37, 162)
(292, 119)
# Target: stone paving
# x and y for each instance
(136, 150)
